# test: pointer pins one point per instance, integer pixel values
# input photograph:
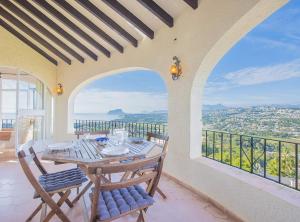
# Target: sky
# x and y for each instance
(262, 68)
(134, 92)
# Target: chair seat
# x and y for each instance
(119, 201)
(62, 179)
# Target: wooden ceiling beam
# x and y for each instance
(22, 15)
(26, 41)
(130, 17)
(37, 13)
(32, 34)
(158, 12)
(89, 6)
(53, 11)
(192, 3)
(88, 23)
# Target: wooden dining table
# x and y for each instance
(88, 152)
(87, 155)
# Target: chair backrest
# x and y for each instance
(130, 166)
(151, 177)
(160, 139)
(37, 161)
(34, 182)
(97, 132)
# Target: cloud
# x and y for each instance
(254, 76)
(237, 100)
(272, 43)
(259, 75)
(97, 101)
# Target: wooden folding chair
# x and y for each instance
(46, 189)
(97, 132)
(162, 141)
(44, 172)
(112, 200)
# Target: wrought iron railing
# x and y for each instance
(134, 129)
(273, 159)
(7, 123)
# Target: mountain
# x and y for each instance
(159, 112)
(287, 106)
(116, 112)
(214, 107)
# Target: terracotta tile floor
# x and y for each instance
(16, 201)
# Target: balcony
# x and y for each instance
(253, 178)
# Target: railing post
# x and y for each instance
(136, 129)
(230, 149)
(158, 129)
(265, 158)
(139, 129)
(279, 161)
(251, 157)
(222, 147)
(241, 147)
(296, 163)
(214, 137)
(206, 143)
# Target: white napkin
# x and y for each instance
(115, 151)
(60, 146)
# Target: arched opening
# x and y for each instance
(26, 109)
(134, 99)
(251, 112)
(245, 24)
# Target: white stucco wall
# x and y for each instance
(203, 37)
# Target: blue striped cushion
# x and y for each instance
(62, 179)
(113, 203)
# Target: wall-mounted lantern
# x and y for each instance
(176, 69)
(59, 89)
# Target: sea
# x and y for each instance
(95, 116)
(77, 116)
(8, 116)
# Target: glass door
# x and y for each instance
(30, 111)
(8, 104)
(26, 111)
